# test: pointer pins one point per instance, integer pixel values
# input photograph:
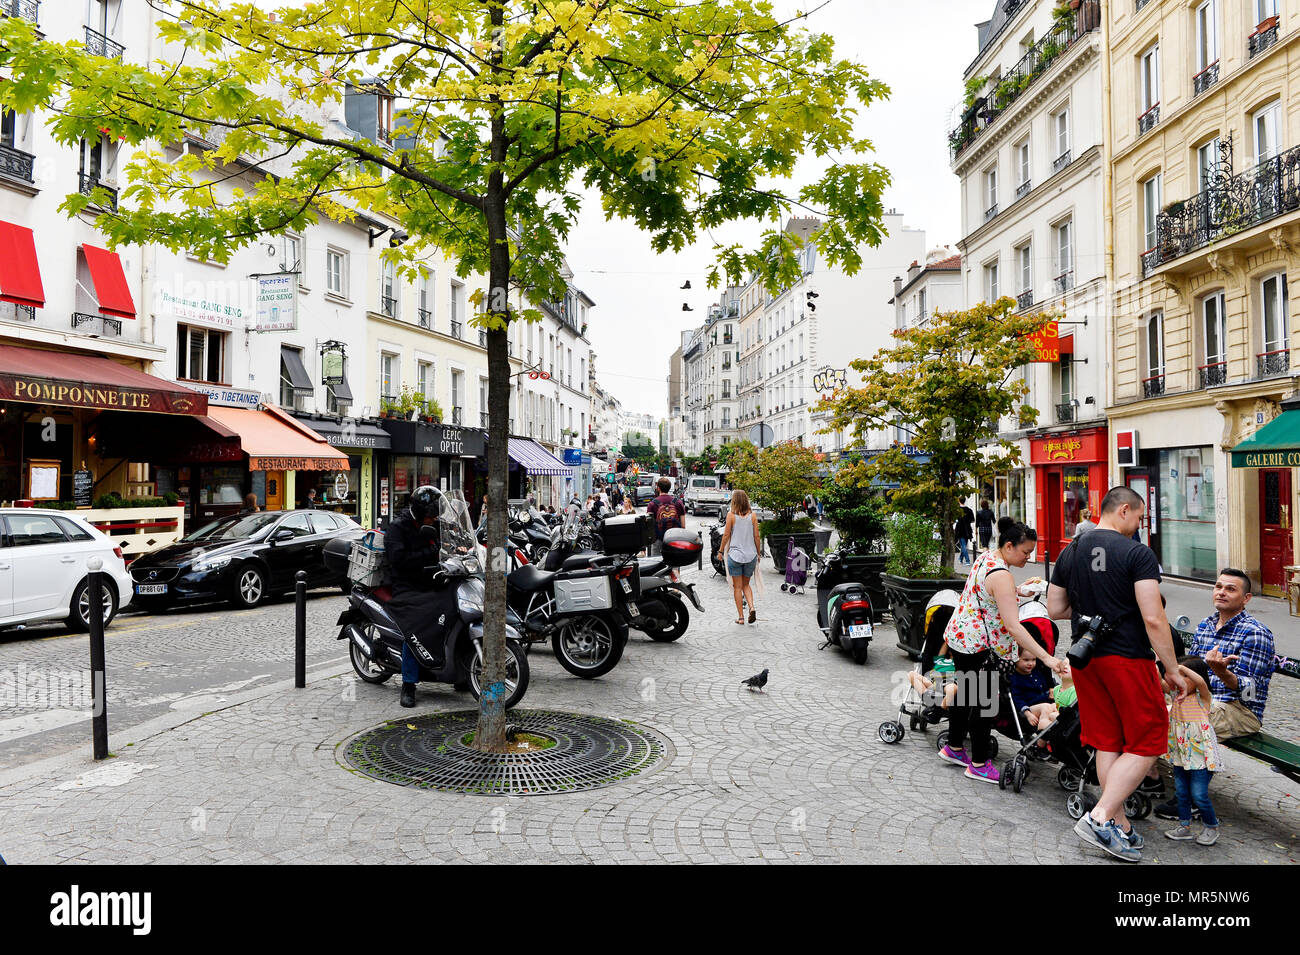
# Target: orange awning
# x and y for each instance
(1067, 344)
(274, 441)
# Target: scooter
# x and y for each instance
(843, 608)
(715, 550)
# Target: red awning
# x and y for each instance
(274, 441)
(1067, 345)
(72, 380)
(110, 282)
(20, 275)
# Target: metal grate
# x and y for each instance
(590, 752)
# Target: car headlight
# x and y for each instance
(469, 596)
(211, 563)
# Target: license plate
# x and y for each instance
(860, 630)
(151, 588)
(627, 586)
(633, 610)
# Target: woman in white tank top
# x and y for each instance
(740, 545)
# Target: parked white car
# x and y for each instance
(43, 556)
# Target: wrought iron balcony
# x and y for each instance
(1273, 363)
(424, 317)
(90, 184)
(482, 341)
(1065, 412)
(21, 9)
(990, 212)
(1230, 205)
(456, 329)
(1140, 5)
(96, 325)
(99, 45)
(457, 413)
(17, 164)
(388, 305)
(1065, 281)
(1264, 36)
(1061, 161)
(1203, 80)
(1213, 374)
(1153, 386)
(1147, 121)
(1025, 299)
(1022, 190)
(22, 313)
(482, 419)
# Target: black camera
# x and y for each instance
(1091, 631)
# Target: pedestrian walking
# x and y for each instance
(984, 524)
(1085, 523)
(741, 543)
(962, 531)
(982, 638)
(1112, 581)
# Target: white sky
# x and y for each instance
(919, 49)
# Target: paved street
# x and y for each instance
(252, 772)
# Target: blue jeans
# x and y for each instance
(1193, 786)
(410, 665)
(965, 554)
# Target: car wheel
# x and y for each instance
(250, 587)
(79, 607)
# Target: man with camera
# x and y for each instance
(1109, 585)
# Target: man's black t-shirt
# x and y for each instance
(1098, 571)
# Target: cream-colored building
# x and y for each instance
(1205, 143)
(753, 303)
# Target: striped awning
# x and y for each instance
(536, 459)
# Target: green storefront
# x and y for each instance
(1274, 452)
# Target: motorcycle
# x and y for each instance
(375, 638)
(843, 608)
(715, 549)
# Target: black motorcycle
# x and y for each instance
(843, 608)
(716, 557)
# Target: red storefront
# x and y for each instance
(1069, 475)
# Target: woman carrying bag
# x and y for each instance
(982, 637)
(741, 544)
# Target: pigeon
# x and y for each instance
(756, 682)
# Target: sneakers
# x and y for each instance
(1208, 837)
(1152, 787)
(1133, 838)
(957, 756)
(1169, 810)
(988, 773)
(1106, 836)
(1179, 833)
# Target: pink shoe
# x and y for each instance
(958, 756)
(988, 773)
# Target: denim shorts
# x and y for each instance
(737, 569)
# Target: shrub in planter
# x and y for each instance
(913, 550)
(855, 508)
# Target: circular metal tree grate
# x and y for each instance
(429, 752)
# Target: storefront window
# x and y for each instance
(224, 485)
(1186, 518)
(1076, 499)
(338, 491)
(409, 472)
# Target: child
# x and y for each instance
(1031, 691)
(1065, 694)
(1193, 753)
(943, 670)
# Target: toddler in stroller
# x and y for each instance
(796, 569)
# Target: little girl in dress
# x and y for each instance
(1193, 753)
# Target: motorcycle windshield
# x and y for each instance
(459, 546)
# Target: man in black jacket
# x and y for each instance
(421, 609)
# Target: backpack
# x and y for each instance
(668, 516)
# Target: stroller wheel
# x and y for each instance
(1137, 806)
(1004, 776)
(1019, 770)
(914, 724)
(1068, 779)
(890, 731)
(1074, 806)
(785, 587)
(942, 741)
(993, 747)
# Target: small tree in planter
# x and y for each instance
(855, 508)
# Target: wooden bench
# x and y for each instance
(1277, 752)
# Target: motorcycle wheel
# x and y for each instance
(368, 670)
(681, 620)
(590, 646)
(860, 654)
(516, 675)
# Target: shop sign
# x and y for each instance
(1087, 446)
(383, 496)
(277, 302)
(297, 464)
(77, 395)
(331, 368)
(341, 488)
(201, 311)
(573, 457)
(1126, 448)
(1062, 449)
(1047, 343)
(1267, 459)
(227, 397)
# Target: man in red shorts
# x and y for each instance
(1105, 573)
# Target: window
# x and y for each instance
(1061, 122)
(991, 191)
(336, 272)
(290, 259)
(200, 354)
(1149, 79)
(1207, 44)
(1064, 250)
(389, 380)
(424, 378)
(1022, 157)
(920, 305)
(1066, 375)
(991, 282)
(1267, 124)
(425, 302)
(290, 384)
(1150, 211)
(1216, 329)
(1265, 10)
(1156, 345)
(298, 523)
(456, 307)
(457, 393)
(1025, 255)
(98, 161)
(74, 531)
(388, 290)
(1273, 299)
(483, 402)
(27, 531)
(8, 128)
(1207, 164)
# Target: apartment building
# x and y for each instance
(753, 306)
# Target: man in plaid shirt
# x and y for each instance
(1238, 649)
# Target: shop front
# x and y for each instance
(537, 473)
(1070, 476)
(350, 492)
(580, 468)
(420, 453)
(1270, 458)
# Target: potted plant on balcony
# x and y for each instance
(948, 380)
(386, 408)
(778, 478)
(407, 405)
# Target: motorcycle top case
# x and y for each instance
(627, 533)
(681, 547)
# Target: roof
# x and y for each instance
(950, 264)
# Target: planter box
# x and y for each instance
(138, 530)
(778, 544)
(907, 600)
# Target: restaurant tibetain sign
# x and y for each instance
(75, 394)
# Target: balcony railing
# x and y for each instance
(1065, 281)
(17, 164)
(388, 305)
(1147, 121)
(1203, 80)
(1213, 374)
(1231, 204)
(1025, 299)
(1140, 4)
(424, 317)
(1273, 363)
(482, 419)
(22, 9)
(482, 340)
(99, 45)
(1022, 190)
(88, 324)
(1153, 386)
(1036, 61)
(990, 212)
(1065, 412)
(457, 413)
(1061, 161)
(23, 313)
(1265, 35)
(456, 330)
(89, 184)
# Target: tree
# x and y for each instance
(779, 477)
(678, 115)
(948, 381)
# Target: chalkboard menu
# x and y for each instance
(83, 488)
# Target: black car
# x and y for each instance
(241, 559)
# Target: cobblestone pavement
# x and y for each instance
(795, 774)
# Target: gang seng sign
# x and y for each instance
(1047, 343)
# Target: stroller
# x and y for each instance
(796, 569)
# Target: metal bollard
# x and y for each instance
(300, 631)
(99, 692)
